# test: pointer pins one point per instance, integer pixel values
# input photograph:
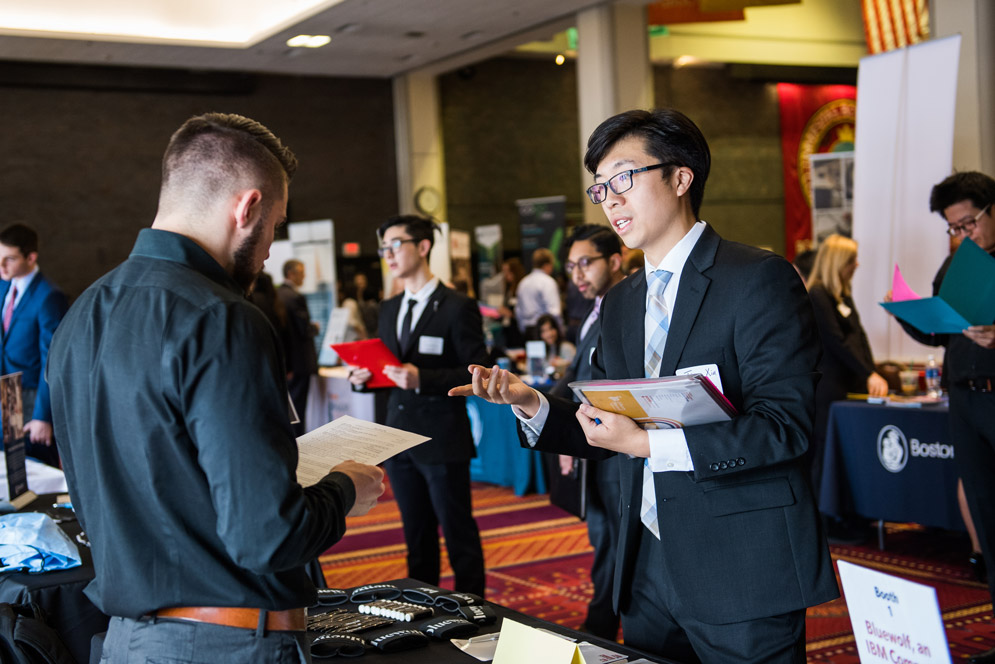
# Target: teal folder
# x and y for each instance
(966, 298)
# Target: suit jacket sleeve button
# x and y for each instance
(714, 466)
(723, 465)
(741, 461)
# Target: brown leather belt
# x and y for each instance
(291, 620)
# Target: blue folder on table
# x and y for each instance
(966, 298)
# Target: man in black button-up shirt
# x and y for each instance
(171, 414)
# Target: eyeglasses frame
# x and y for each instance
(632, 171)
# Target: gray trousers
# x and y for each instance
(152, 640)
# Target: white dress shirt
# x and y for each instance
(537, 294)
(668, 447)
(21, 285)
(421, 299)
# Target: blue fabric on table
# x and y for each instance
(33, 542)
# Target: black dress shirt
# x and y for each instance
(170, 411)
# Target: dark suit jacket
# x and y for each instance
(846, 361)
(455, 319)
(302, 359)
(741, 535)
(25, 344)
(580, 367)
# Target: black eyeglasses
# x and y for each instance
(583, 263)
(392, 246)
(968, 225)
(619, 183)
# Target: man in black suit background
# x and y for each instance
(435, 332)
(302, 357)
(720, 547)
(594, 264)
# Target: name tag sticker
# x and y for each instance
(709, 370)
(430, 345)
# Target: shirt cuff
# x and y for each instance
(532, 427)
(669, 451)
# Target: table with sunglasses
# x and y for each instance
(457, 615)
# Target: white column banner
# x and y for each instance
(904, 146)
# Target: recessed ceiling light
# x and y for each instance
(308, 41)
(560, 59)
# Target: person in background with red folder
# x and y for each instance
(169, 397)
(964, 201)
(435, 332)
(720, 545)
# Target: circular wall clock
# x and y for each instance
(427, 200)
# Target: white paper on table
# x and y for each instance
(348, 438)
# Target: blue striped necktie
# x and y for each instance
(657, 310)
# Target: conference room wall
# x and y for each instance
(82, 148)
(510, 131)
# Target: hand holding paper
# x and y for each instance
(345, 439)
(368, 481)
(966, 298)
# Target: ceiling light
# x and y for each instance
(308, 41)
(560, 59)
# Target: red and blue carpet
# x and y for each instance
(538, 559)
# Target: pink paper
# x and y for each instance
(900, 290)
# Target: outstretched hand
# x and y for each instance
(499, 386)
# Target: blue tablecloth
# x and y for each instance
(500, 458)
(895, 464)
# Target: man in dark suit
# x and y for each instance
(302, 358)
(594, 264)
(32, 309)
(720, 547)
(435, 332)
(964, 201)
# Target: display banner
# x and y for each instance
(490, 250)
(459, 255)
(814, 119)
(542, 222)
(14, 439)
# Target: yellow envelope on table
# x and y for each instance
(521, 644)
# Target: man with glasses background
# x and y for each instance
(435, 332)
(594, 264)
(964, 201)
(720, 544)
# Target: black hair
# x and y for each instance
(969, 186)
(20, 236)
(603, 238)
(419, 228)
(670, 136)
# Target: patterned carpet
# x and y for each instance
(538, 559)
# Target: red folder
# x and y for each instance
(369, 354)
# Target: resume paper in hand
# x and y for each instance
(348, 438)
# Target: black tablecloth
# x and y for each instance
(443, 652)
(60, 593)
(895, 464)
